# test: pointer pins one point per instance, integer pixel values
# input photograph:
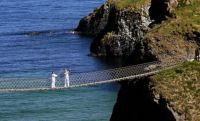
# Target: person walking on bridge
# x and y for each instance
(66, 78)
(53, 80)
(197, 54)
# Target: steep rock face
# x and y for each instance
(95, 22)
(134, 33)
(117, 31)
(136, 103)
(124, 29)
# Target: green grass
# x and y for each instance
(191, 12)
(121, 4)
(181, 87)
(175, 32)
(187, 18)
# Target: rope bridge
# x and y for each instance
(84, 79)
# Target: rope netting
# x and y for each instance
(84, 79)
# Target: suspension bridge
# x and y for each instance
(84, 79)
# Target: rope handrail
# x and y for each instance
(84, 79)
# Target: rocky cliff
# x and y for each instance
(145, 30)
(118, 31)
(141, 31)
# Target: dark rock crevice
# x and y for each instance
(141, 54)
(161, 9)
(193, 36)
(158, 5)
(135, 103)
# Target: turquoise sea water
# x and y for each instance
(80, 104)
(23, 54)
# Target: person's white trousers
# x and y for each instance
(66, 81)
(53, 83)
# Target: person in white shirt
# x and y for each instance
(53, 80)
(66, 78)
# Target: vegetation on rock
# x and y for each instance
(134, 4)
(178, 36)
(180, 86)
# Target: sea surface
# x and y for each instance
(36, 38)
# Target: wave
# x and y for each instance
(41, 32)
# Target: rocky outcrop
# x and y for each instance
(172, 47)
(124, 29)
(95, 22)
(117, 31)
(134, 33)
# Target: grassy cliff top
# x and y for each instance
(186, 19)
(120, 4)
(189, 13)
(181, 87)
(178, 35)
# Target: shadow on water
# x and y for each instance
(117, 62)
(112, 62)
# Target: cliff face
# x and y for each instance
(146, 31)
(118, 31)
(135, 102)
